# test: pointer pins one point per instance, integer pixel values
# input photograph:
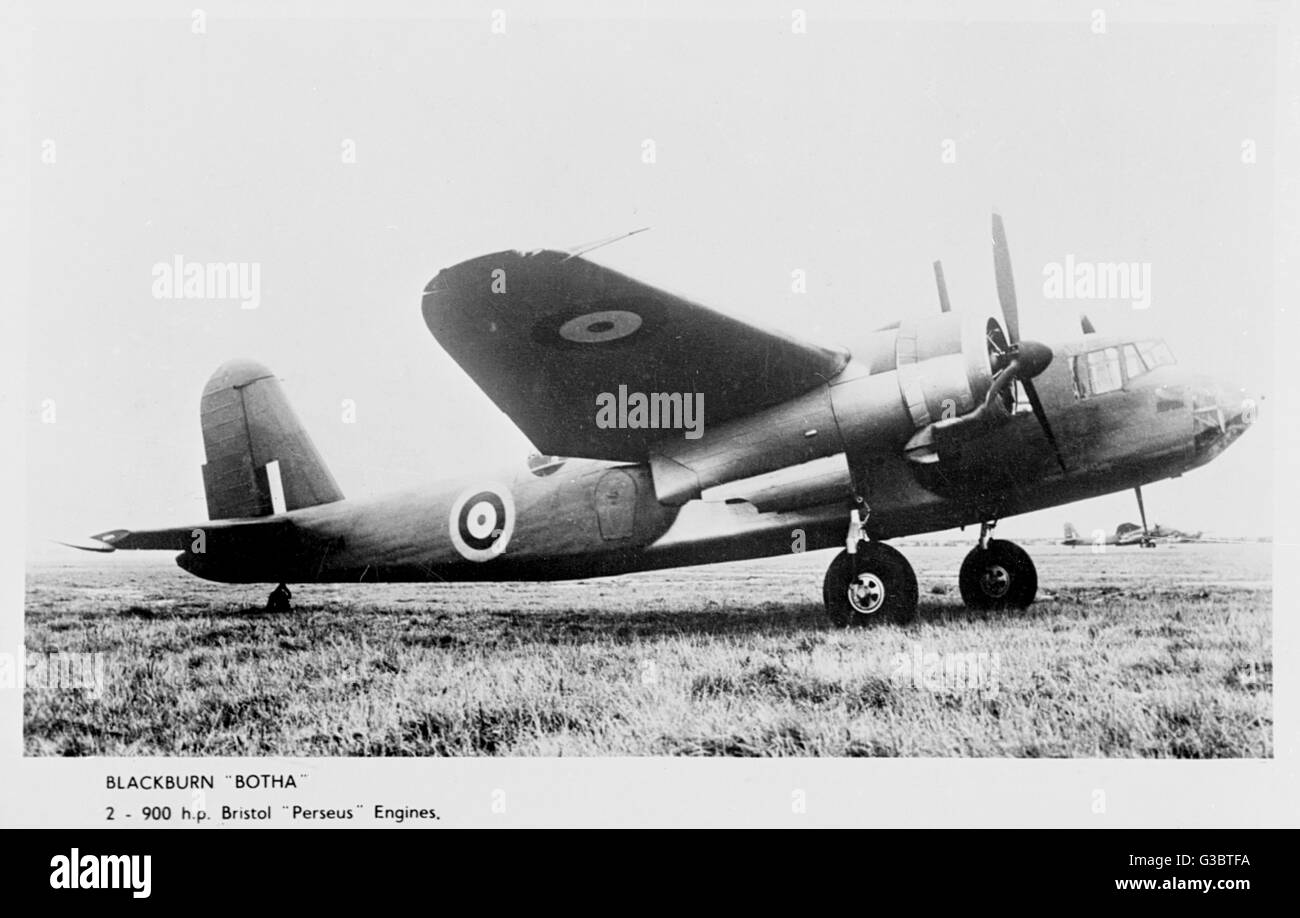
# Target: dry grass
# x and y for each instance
(1164, 652)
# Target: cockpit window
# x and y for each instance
(1097, 372)
(1103, 371)
(1133, 365)
(1145, 356)
(1155, 354)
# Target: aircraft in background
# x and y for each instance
(924, 425)
(1129, 534)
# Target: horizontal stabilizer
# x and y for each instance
(231, 551)
(200, 538)
(91, 544)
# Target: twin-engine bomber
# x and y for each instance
(927, 425)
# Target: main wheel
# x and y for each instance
(875, 585)
(1001, 576)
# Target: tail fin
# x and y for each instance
(251, 438)
(1071, 534)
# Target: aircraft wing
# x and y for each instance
(545, 333)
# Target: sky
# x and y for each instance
(351, 159)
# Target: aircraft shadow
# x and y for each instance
(436, 627)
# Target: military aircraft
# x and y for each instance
(1129, 534)
(926, 424)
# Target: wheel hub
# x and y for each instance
(995, 581)
(866, 593)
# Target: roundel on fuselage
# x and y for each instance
(481, 522)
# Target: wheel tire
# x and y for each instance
(873, 586)
(1001, 576)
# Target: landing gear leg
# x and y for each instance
(857, 525)
(278, 601)
(1147, 541)
(868, 582)
(997, 574)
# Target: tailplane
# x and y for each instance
(260, 460)
(1071, 534)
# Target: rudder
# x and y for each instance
(248, 425)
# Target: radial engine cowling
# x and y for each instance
(929, 370)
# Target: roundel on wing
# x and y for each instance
(481, 522)
(607, 321)
(598, 327)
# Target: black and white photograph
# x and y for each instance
(635, 385)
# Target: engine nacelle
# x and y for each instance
(942, 368)
(908, 378)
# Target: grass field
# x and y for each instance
(1161, 652)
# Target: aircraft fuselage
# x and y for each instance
(584, 518)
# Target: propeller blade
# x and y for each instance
(1006, 283)
(1037, 405)
(1086, 324)
(943, 288)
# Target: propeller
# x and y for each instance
(944, 306)
(1021, 360)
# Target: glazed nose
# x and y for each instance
(1238, 408)
(1223, 408)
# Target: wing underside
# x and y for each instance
(545, 335)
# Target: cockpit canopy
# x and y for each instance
(1110, 368)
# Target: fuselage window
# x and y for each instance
(1103, 371)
